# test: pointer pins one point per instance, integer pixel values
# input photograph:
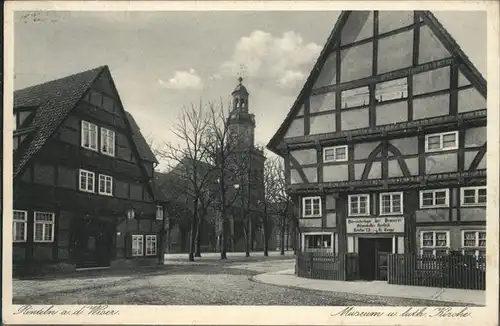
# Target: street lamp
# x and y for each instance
(237, 186)
(130, 214)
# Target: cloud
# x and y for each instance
(284, 60)
(290, 78)
(215, 76)
(183, 80)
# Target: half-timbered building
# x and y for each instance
(385, 145)
(83, 176)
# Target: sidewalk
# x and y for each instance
(182, 258)
(379, 288)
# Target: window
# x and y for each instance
(107, 142)
(96, 98)
(335, 154)
(473, 196)
(355, 97)
(150, 245)
(159, 212)
(19, 226)
(89, 135)
(391, 90)
(359, 205)
(108, 104)
(474, 243)
(87, 181)
(441, 142)
(435, 243)
(14, 122)
(44, 227)
(105, 185)
(318, 241)
(137, 245)
(391, 203)
(434, 198)
(311, 207)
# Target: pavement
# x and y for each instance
(287, 278)
(209, 282)
(211, 257)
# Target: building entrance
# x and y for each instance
(92, 243)
(373, 257)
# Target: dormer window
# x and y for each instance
(19, 118)
(89, 135)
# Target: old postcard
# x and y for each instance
(281, 163)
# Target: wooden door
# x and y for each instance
(92, 243)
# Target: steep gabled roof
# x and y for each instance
(430, 20)
(54, 100)
(142, 146)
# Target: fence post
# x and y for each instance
(310, 269)
(296, 271)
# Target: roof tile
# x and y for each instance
(54, 100)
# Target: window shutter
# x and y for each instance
(128, 246)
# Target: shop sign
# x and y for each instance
(375, 225)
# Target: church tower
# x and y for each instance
(241, 121)
(249, 167)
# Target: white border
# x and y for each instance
(262, 315)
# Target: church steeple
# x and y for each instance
(241, 121)
(240, 97)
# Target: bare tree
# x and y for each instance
(222, 151)
(185, 161)
(278, 202)
(271, 186)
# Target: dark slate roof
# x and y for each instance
(240, 88)
(54, 100)
(430, 20)
(142, 146)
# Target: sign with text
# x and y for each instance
(310, 222)
(376, 225)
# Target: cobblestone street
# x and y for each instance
(203, 283)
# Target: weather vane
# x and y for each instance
(241, 73)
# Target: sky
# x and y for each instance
(164, 61)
